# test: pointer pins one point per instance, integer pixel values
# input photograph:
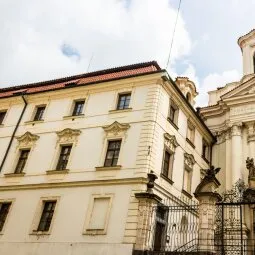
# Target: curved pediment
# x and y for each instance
(28, 139)
(68, 135)
(116, 128)
(170, 142)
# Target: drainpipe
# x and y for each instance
(14, 132)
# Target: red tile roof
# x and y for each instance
(82, 79)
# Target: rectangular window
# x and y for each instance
(78, 107)
(112, 153)
(22, 161)
(4, 209)
(191, 133)
(123, 101)
(39, 113)
(173, 113)
(167, 165)
(2, 115)
(64, 157)
(205, 150)
(47, 214)
(187, 177)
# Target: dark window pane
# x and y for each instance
(39, 113)
(46, 217)
(4, 209)
(78, 108)
(123, 102)
(2, 115)
(166, 164)
(64, 157)
(112, 154)
(22, 161)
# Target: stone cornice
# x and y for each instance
(138, 180)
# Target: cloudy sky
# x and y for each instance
(48, 39)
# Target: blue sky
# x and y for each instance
(42, 40)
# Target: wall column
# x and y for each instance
(228, 161)
(251, 138)
(236, 138)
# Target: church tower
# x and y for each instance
(247, 45)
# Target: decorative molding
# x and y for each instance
(236, 129)
(27, 140)
(116, 128)
(68, 135)
(251, 131)
(189, 160)
(170, 142)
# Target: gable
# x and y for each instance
(246, 88)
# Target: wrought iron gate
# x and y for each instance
(234, 233)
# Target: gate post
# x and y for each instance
(147, 202)
(207, 196)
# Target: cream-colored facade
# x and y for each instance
(96, 209)
(231, 117)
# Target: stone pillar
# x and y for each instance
(207, 197)
(236, 154)
(251, 138)
(228, 161)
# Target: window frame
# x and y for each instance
(80, 113)
(10, 202)
(4, 117)
(173, 119)
(107, 150)
(61, 146)
(21, 150)
(190, 129)
(189, 181)
(204, 143)
(36, 110)
(128, 93)
(169, 175)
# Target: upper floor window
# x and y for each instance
(167, 167)
(39, 113)
(47, 215)
(173, 113)
(64, 157)
(78, 107)
(4, 209)
(190, 133)
(22, 161)
(2, 115)
(123, 101)
(189, 162)
(112, 154)
(205, 150)
(188, 97)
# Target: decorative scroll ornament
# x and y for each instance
(250, 166)
(189, 160)
(27, 140)
(116, 128)
(170, 142)
(68, 135)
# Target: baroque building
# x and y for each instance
(76, 155)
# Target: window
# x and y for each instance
(205, 150)
(191, 133)
(2, 115)
(187, 179)
(78, 107)
(39, 113)
(188, 97)
(22, 161)
(167, 165)
(4, 209)
(64, 157)
(123, 101)
(47, 214)
(173, 113)
(112, 153)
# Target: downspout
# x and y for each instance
(14, 132)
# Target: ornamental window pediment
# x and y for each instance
(189, 160)
(170, 142)
(27, 140)
(68, 135)
(116, 129)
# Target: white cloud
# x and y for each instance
(33, 32)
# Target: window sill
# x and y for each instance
(40, 233)
(73, 117)
(14, 175)
(172, 123)
(65, 171)
(186, 193)
(103, 168)
(190, 143)
(32, 122)
(166, 178)
(95, 232)
(119, 111)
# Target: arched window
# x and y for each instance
(188, 97)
